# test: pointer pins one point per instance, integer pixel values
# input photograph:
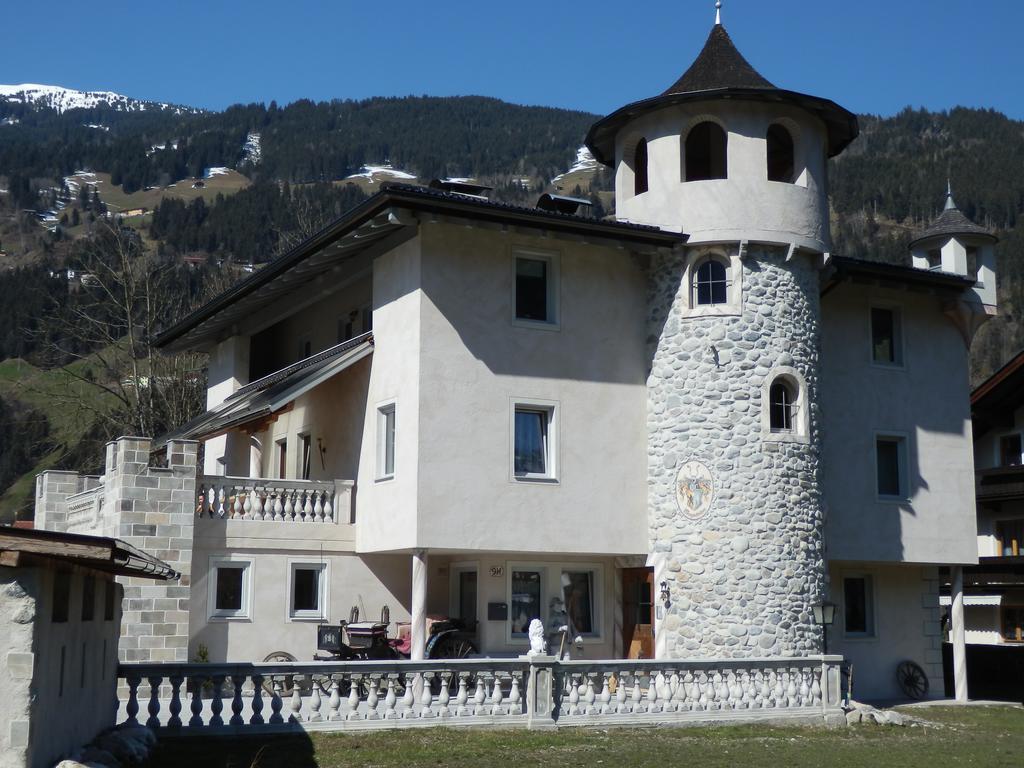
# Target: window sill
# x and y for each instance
(539, 479)
(889, 366)
(224, 618)
(860, 638)
(537, 325)
(714, 310)
(892, 499)
(385, 479)
(318, 619)
(785, 437)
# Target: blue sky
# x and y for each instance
(872, 56)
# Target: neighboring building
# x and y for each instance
(994, 597)
(695, 417)
(60, 614)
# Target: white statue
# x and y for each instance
(538, 647)
(561, 630)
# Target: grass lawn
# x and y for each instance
(978, 736)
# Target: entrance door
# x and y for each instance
(464, 594)
(638, 612)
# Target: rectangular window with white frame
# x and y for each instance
(536, 287)
(858, 606)
(386, 441)
(534, 434)
(230, 588)
(307, 591)
(891, 467)
(886, 336)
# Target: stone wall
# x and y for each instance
(151, 508)
(742, 574)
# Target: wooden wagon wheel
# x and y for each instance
(912, 680)
(287, 681)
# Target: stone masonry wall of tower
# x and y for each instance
(742, 579)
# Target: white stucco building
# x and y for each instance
(694, 423)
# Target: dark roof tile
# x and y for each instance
(951, 221)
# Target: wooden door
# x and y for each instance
(638, 612)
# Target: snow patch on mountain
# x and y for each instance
(371, 172)
(585, 161)
(160, 148)
(209, 173)
(252, 150)
(63, 99)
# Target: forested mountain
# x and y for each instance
(296, 167)
(302, 142)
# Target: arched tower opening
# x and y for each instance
(706, 152)
(640, 180)
(781, 154)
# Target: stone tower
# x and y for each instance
(734, 507)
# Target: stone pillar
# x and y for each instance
(419, 605)
(154, 510)
(540, 690)
(734, 509)
(52, 490)
(958, 635)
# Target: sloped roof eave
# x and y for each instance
(841, 124)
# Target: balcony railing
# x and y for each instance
(1000, 483)
(299, 501)
(526, 692)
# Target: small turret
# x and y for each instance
(955, 244)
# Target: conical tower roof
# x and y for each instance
(721, 72)
(950, 223)
(719, 65)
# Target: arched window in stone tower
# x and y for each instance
(710, 283)
(640, 183)
(706, 153)
(784, 412)
(782, 404)
(781, 154)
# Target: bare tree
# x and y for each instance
(102, 338)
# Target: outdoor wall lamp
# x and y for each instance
(665, 597)
(824, 614)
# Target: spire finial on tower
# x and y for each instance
(718, 13)
(949, 196)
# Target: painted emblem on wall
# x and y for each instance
(695, 489)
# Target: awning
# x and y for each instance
(273, 392)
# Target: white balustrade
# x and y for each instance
(291, 501)
(389, 694)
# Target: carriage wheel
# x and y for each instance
(452, 647)
(912, 680)
(287, 681)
